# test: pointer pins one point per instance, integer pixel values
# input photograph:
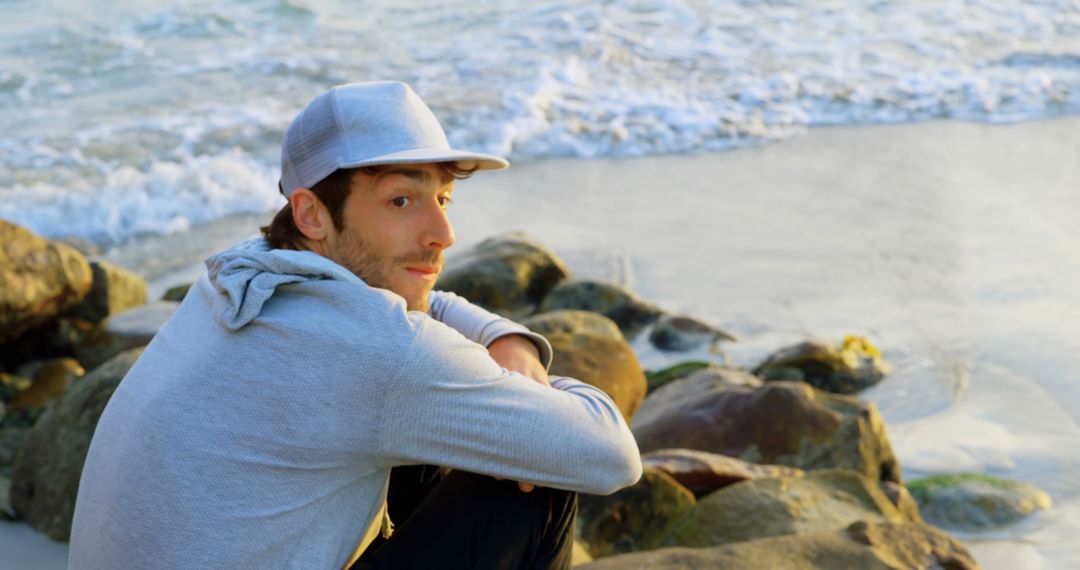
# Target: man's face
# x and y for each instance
(395, 230)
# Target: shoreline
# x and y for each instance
(935, 239)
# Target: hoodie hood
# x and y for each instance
(246, 276)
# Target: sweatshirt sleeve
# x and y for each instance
(452, 405)
(481, 326)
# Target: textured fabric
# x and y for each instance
(363, 124)
(470, 521)
(259, 427)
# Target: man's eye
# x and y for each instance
(445, 201)
(401, 201)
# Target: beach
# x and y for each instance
(953, 246)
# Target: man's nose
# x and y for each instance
(438, 233)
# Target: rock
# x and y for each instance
(702, 472)
(48, 379)
(11, 439)
(829, 499)
(114, 290)
(85, 247)
(638, 517)
(575, 322)
(657, 378)
(134, 327)
(55, 339)
(856, 365)
(785, 423)
(508, 274)
(47, 467)
(617, 303)
(176, 292)
(684, 333)
(607, 363)
(901, 498)
(863, 545)
(38, 280)
(710, 374)
(972, 501)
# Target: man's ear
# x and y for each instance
(310, 215)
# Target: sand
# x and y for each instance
(953, 246)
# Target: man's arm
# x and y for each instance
(452, 405)
(486, 329)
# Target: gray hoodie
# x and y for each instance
(259, 427)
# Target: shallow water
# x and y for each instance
(130, 117)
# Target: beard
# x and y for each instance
(356, 254)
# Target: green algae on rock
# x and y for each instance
(975, 501)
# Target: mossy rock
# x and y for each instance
(573, 322)
(974, 501)
(638, 517)
(854, 365)
(617, 303)
(508, 274)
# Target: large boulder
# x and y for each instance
(11, 439)
(573, 322)
(39, 280)
(47, 467)
(973, 501)
(702, 472)
(822, 500)
(132, 328)
(508, 274)
(114, 290)
(785, 423)
(605, 362)
(617, 303)
(638, 517)
(853, 366)
(882, 545)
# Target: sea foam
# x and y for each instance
(123, 121)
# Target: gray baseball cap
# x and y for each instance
(365, 124)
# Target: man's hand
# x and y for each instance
(518, 354)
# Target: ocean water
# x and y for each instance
(131, 117)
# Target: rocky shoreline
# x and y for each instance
(778, 466)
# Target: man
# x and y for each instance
(260, 427)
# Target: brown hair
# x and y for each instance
(332, 191)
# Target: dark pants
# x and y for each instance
(453, 519)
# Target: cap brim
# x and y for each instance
(464, 159)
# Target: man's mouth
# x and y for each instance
(423, 272)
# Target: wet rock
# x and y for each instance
(617, 303)
(46, 380)
(507, 274)
(823, 500)
(972, 501)
(882, 545)
(575, 322)
(38, 280)
(607, 363)
(785, 423)
(134, 327)
(638, 517)
(680, 333)
(47, 467)
(702, 472)
(114, 290)
(852, 367)
(176, 292)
